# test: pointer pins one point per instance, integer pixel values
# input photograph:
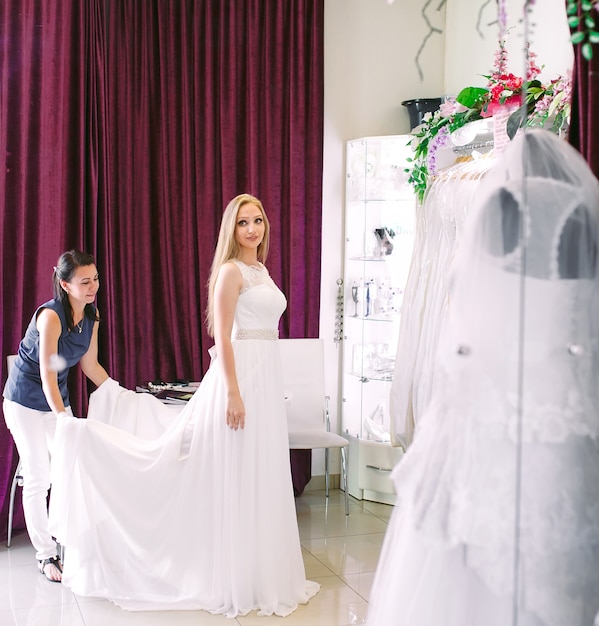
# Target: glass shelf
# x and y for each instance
(386, 376)
(379, 238)
(393, 319)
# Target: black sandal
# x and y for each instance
(55, 561)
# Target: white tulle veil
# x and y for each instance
(530, 249)
(505, 460)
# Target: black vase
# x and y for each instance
(418, 107)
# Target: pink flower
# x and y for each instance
(542, 104)
(502, 18)
(504, 87)
(451, 107)
(532, 70)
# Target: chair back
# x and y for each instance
(303, 380)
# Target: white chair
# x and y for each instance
(307, 405)
(17, 479)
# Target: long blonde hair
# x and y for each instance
(227, 247)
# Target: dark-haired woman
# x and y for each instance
(62, 333)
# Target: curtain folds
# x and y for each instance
(206, 100)
(43, 183)
(584, 127)
(126, 127)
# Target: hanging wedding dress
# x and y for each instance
(159, 510)
(439, 223)
(497, 515)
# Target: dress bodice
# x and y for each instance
(535, 351)
(261, 303)
(543, 224)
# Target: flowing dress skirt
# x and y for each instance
(159, 510)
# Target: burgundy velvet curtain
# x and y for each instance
(126, 128)
(47, 201)
(206, 100)
(584, 128)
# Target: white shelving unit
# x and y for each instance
(379, 234)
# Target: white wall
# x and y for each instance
(370, 50)
(472, 37)
(370, 46)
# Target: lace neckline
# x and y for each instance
(256, 266)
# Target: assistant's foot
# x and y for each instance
(52, 569)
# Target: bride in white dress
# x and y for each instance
(497, 515)
(196, 510)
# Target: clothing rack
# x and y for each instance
(466, 167)
(474, 146)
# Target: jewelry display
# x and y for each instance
(354, 297)
(373, 361)
(384, 236)
(380, 299)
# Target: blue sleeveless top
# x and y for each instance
(24, 384)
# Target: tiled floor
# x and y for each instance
(340, 553)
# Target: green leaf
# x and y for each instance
(461, 119)
(587, 51)
(573, 21)
(471, 96)
(577, 38)
(586, 5)
(594, 36)
(589, 22)
(515, 121)
(555, 102)
(559, 121)
(571, 8)
(536, 91)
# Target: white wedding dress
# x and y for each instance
(497, 515)
(440, 222)
(162, 511)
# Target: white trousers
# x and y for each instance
(33, 432)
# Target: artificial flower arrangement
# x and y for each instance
(533, 104)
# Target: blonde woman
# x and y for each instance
(242, 248)
(203, 514)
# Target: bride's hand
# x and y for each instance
(235, 412)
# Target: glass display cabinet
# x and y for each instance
(379, 233)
